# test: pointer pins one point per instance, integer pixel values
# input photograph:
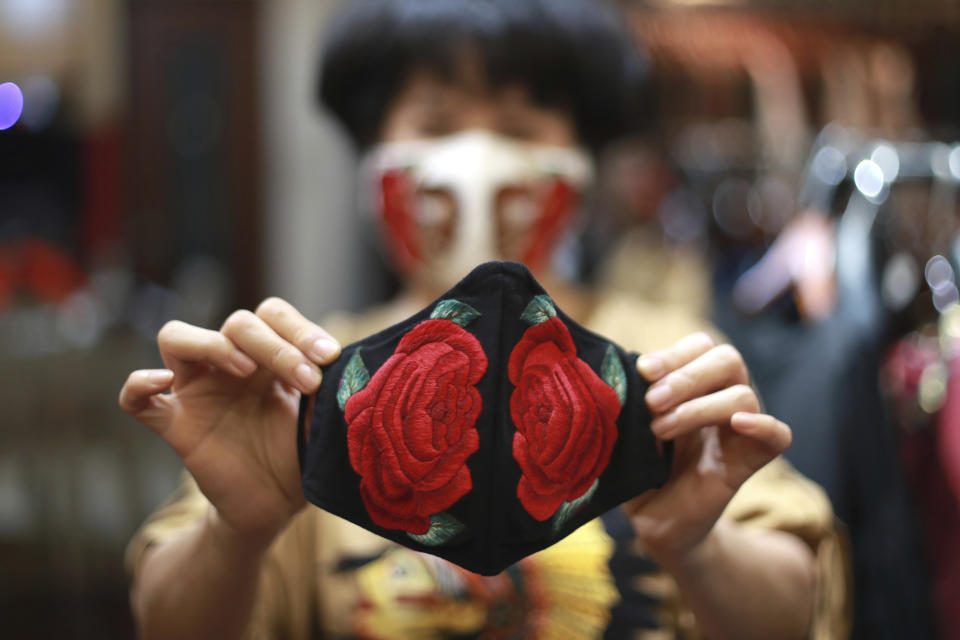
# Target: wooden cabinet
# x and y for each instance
(194, 139)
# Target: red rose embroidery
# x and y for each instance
(411, 428)
(565, 417)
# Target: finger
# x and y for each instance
(715, 369)
(259, 341)
(713, 409)
(773, 435)
(139, 396)
(655, 365)
(293, 327)
(182, 344)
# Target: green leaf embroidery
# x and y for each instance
(539, 310)
(355, 377)
(567, 509)
(455, 311)
(443, 527)
(611, 371)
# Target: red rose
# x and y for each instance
(565, 415)
(411, 428)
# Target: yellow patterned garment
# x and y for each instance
(326, 577)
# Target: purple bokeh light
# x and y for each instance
(11, 105)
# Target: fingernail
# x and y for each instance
(242, 363)
(663, 426)
(324, 349)
(745, 419)
(659, 395)
(160, 376)
(307, 376)
(650, 366)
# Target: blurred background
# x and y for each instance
(164, 159)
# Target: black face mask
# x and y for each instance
(482, 429)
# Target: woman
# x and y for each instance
(477, 120)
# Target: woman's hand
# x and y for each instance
(230, 409)
(701, 399)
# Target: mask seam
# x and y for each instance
(493, 476)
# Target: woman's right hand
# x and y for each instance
(227, 403)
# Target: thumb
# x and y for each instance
(141, 397)
(765, 438)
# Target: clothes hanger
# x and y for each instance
(801, 259)
(895, 235)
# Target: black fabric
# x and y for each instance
(821, 379)
(636, 609)
(498, 530)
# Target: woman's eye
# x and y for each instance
(436, 126)
(519, 130)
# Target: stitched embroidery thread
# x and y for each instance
(411, 426)
(611, 370)
(355, 377)
(565, 416)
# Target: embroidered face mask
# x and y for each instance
(482, 429)
(450, 203)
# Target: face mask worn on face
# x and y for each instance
(449, 204)
(482, 429)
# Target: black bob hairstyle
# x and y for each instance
(572, 54)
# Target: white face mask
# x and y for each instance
(451, 203)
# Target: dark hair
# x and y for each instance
(572, 54)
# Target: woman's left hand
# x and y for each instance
(701, 399)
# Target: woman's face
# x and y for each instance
(468, 173)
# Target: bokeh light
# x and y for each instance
(11, 105)
(954, 162)
(868, 176)
(888, 160)
(938, 272)
(829, 165)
